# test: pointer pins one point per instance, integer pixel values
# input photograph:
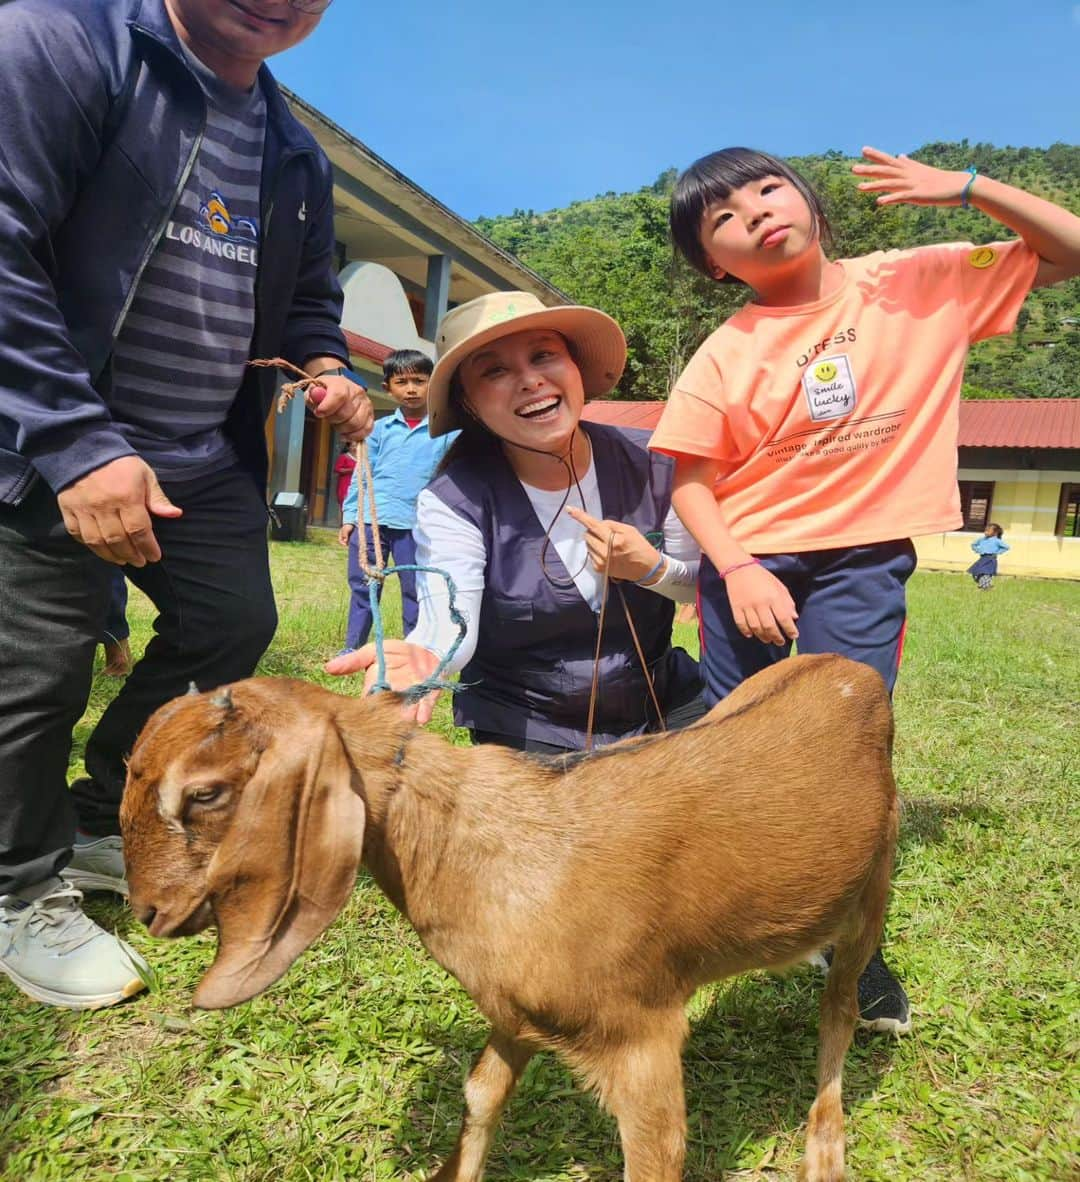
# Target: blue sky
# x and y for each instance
(493, 106)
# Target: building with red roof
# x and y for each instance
(404, 258)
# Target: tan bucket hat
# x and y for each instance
(596, 342)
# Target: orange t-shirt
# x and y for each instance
(835, 423)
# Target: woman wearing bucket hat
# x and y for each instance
(522, 515)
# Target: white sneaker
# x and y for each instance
(57, 955)
(97, 864)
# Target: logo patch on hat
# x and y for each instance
(508, 313)
(982, 257)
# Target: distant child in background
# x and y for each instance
(344, 466)
(988, 547)
(815, 431)
(403, 459)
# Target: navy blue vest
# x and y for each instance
(532, 670)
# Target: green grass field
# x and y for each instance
(351, 1067)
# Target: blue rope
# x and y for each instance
(435, 681)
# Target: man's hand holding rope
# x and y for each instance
(331, 396)
(342, 402)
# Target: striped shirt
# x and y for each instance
(180, 355)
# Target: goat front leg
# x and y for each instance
(641, 1084)
(490, 1084)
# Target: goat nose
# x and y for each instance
(144, 913)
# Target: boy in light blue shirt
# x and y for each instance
(403, 459)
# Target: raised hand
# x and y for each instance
(901, 180)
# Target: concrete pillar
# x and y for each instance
(437, 293)
(288, 446)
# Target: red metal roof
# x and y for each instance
(1002, 422)
(1020, 422)
(366, 347)
(624, 414)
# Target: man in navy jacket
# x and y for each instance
(163, 218)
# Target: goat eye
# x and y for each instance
(205, 795)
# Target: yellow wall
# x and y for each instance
(1025, 505)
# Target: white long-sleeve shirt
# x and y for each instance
(447, 541)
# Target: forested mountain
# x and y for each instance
(614, 252)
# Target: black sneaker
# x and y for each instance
(883, 1004)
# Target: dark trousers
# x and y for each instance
(850, 601)
(678, 717)
(401, 546)
(216, 617)
(116, 625)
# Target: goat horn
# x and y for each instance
(223, 699)
(192, 689)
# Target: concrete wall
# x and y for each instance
(377, 307)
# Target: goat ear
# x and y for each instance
(286, 866)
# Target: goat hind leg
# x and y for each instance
(490, 1084)
(824, 1161)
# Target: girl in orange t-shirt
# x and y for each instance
(815, 431)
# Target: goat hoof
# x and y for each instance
(823, 1163)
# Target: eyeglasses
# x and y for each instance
(311, 6)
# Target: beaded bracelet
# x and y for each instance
(738, 566)
(967, 188)
(646, 578)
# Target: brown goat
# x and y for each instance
(580, 900)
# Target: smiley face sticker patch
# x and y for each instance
(829, 386)
(982, 257)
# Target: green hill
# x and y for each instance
(614, 252)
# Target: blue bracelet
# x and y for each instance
(646, 578)
(967, 188)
